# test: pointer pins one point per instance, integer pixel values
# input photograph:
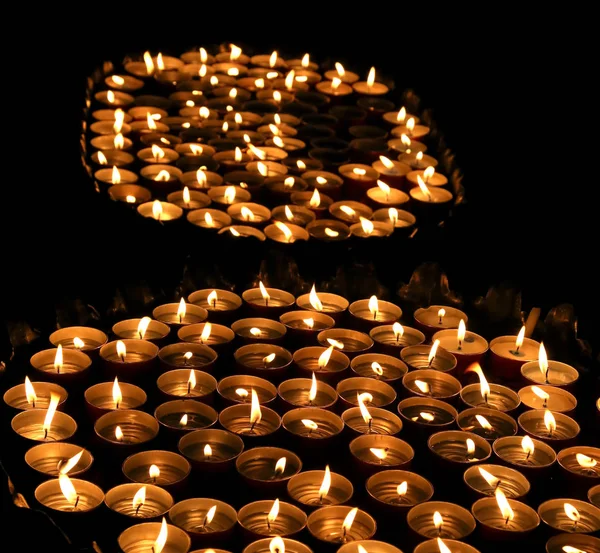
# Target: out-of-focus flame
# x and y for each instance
(152, 126)
(388, 163)
(263, 169)
(276, 545)
(324, 357)
(367, 226)
(130, 199)
(184, 420)
(410, 125)
(58, 358)
(247, 213)
(207, 451)
(236, 52)
(118, 434)
(470, 446)
(30, 392)
(102, 158)
(401, 115)
(585, 461)
(305, 60)
(335, 83)
(311, 425)
(78, 343)
(359, 171)
(67, 489)
(255, 412)
(273, 59)
(315, 200)
(340, 69)
(259, 83)
(335, 343)
(255, 331)
(402, 488)
(269, 358)
(208, 219)
(160, 64)
(371, 77)
(116, 393)
(139, 498)
(385, 188)
(204, 112)
(428, 173)
(572, 512)
(377, 368)
(157, 152)
(229, 194)
(407, 141)
(301, 165)
(423, 187)
(571, 549)
(288, 213)
(149, 63)
(331, 233)
(438, 520)
(257, 152)
(540, 393)
(527, 445)
(115, 175)
(110, 96)
(225, 126)
(162, 176)
(279, 143)
(119, 141)
(289, 79)
(310, 322)
(321, 180)
(280, 465)
(373, 306)
(119, 120)
(429, 417)
(347, 210)
(206, 331)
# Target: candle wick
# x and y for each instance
(58, 369)
(374, 315)
(517, 350)
(45, 434)
(528, 454)
(76, 503)
(137, 509)
(370, 422)
(545, 403)
(267, 302)
(180, 318)
(140, 335)
(506, 521)
(189, 388)
(154, 479)
(204, 522)
(33, 403)
(459, 345)
(214, 304)
(498, 484)
(123, 357)
(268, 524)
(431, 361)
(440, 530)
(309, 431)
(116, 404)
(440, 322)
(252, 427)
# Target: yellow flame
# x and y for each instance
(121, 349)
(349, 520)
(335, 83)
(161, 539)
(130, 199)
(373, 304)
(527, 445)
(157, 152)
(585, 461)
(273, 59)
(181, 310)
(388, 163)
(407, 142)
(312, 393)
(110, 96)
(483, 383)
(78, 343)
(225, 126)
(259, 83)
(507, 513)
(367, 226)
(188, 355)
(340, 69)
(236, 52)
(483, 422)
(543, 360)
(212, 298)
(247, 213)
(442, 546)
(540, 393)
(549, 421)
(237, 156)
(257, 152)
(30, 392)
(371, 77)
(280, 465)
(429, 417)
(201, 73)
(433, 352)
(119, 141)
(263, 291)
(288, 213)
(402, 488)
(423, 187)
(269, 358)
(571, 549)
(571, 512)
(208, 219)
(367, 417)
(410, 125)
(149, 63)
(279, 142)
(380, 453)
(311, 425)
(119, 120)
(255, 412)
(359, 171)
(192, 378)
(154, 472)
(242, 392)
(325, 484)
(229, 194)
(401, 116)
(276, 545)
(116, 393)
(54, 400)
(438, 520)
(470, 446)
(273, 512)
(347, 210)
(301, 165)
(118, 434)
(377, 368)
(234, 231)
(321, 180)
(287, 233)
(289, 79)
(116, 175)
(398, 331)
(289, 181)
(324, 357)
(384, 187)
(102, 158)
(305, 60)
(67, 488)
(520, 337)
(315, 200)
(335, 343)
(331, 233)
(489, 478)
(208, 450)
(204, 112)
(423, 386)
(141, 330)
(428, 173)
(263, 169)
(58, 358)
(255, 331)
(184, 420)
(151, 125)
(274, 129)
(72, 462)
(210, 514)
(160, 64)
(310, 322)
(139, 498)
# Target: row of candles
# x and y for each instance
(317, 412)
(237, 167)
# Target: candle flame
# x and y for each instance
(149, 63)
(260, 154)
(311, 425)
(200, 177)
(335, 343)
(407, 142)
(119, 141)
(119, 120)
(274, 511)
(242, 392)
(118, 434)
(527, 445)
(161, 539)
(331, 233)
(325, 484)
(321, 180)
(255, 412)
(442, 546)
(247, 213)
(154, 472)
(410, 124)
(335, 83)
(384, 187)
(520, 338)
(483, 383)
(115, 176)
(157, 208)
(287, 233)
(571, 549)
(255, 331)
(371, 77)
(208, 219)
(54, 399)
(361, 398)
(428, 173)
(324, 357)
(429, 417)
(273, 59)
(236, 52)
(301, 165)
(204, 112)
(433, 351)
(438, 520)
(483, 422)
(110, 96)
(141, 330)
(208, 450)
(348, 210)
(572, 512)
(380, 453)
(489, 478)
(184, 420)
(273, 128)
(442, 314)
(229, 194)
(234, 231)
(181, 310)
(398, 331)
(263, 291)
(462, 331)
(269, 358)
(289, 181)
(212, 298)
(102, 158)
(192, 378)
(72, 462)
(160, 64)
(310, 323)
(401, 115)
(470, 446)
(116, 393)
(373, 305)
(162, 176)
(280, 466)
(543, 360)
(349, 520)
(30, 392)
(387, 162)
(507, 513)
(315, 200)
(314, 299)
(305, 60)
(139, 498)
(340, 69)
(402, 488)
(312, 393)
(585, 461)
(549, 421)
(259, 83)
(540, 393)
(130, 200)
(67, 488)
(423, 386)
(423, 187)
(277, 545)
(377, 368)
(205, 335)
(157, 151)
(58, 358)
(289, 79)
(359, 171)
(78, 343)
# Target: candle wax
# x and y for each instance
(309, 495)
(421, 361)
(212, 339)
(324, 430)
(37, 433)
(256, 361)
(430, 317)
(133, 334)
(181, 389)
(456, 450)
(263, 468)
(313, 365)
(195, 420)
(440, 415)
(263, 395)
(67, 368)
(472, 344)
(265, 333)
(173, 318)
(390, 372)
(168, 474)
(381, 315)
(50, 465)
(527, 351)
(378, 426)
(220, 452)
(130, 357)
(497, 398)
(219, 305)
(299, 397)
(149, 509)
(21, 403)
(283, 525)
(107, 402)
(89, 344)
(178, 360)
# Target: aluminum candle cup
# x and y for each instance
(417, 357)
(187, 383)
(300, 216)
(330, 304)
(328, 230)
(305, 488)
(382, 394)
(396, 491)
(312, 428)
(197, 200)
(258, 329)
(438, 317)
(510, 481)
(432, 383)
(168, 314)
(29, 425)
(236, 419)
(432, 546)
(256, 521)
(580, 542)
(92, 338)
(100, 398)
(209, 219)
(260, 467)
(220, 304)
(267, 360)
(131, 194)
(48, 458)
(470, 350)
(264, 546)
(493, 525)
(533, 464)
(136, 428)
(173, 469)
(378, 366)
(304, 326)
(156, 501)
(215, 336)
(89, 496)
(585, 519)
(187, 356)
(73, 368)
(192, 516)
(424, 416)
(380, 421)
(353, 341)
(558, 374)
(349, 211)
(272, 304)
(580, 466)
(507, 359)
(452, 450)
(16, 397)
(237, 389)
(594, 495)
(130, 329)
(500, 397)
(248, 213)
(364, 317)
(185, 415)
(296, 392)
(557, 400)
(391, 342)
(141, 538)
(373, 453)
(555, 429)
(137, 362)
(327, 524)
(487, 423)
(456, 522)
(223, 448)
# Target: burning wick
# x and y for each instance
(462, 330)
(519, 341)
(348, 523)
(255, 412)
(311, 425)
(433, 352)
(438, 522)
(186, 357)
(528, 447)
(279, 468)
(273, 513)
(208, 518)
(441, 314)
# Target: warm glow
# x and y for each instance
(157, 210)
(540, 393)
(255, 412)
(331, 233)
(212, 298)
(301, 165)
(269, 358)
(208, 219)
(116, 393)
(371, 77)
(427, 416)
(78, 343)
(407, 142)
(130, 199)
(505, 509)
(335, 83)
(398, 331)
(384, 187)
(255, 331)
(58, 358)
(141, 330)
(571, 549)
(242, 392)
(233, 93)
(263, 169)
(263, 291)
(348, 210)
(312, 393)
(305, 60)
(276, 545)
(67, 488)
(340, 69)
(428, 173)
(410, 124)
(288, 213)
(102, 158)
(433, 351)
(585, 461)
(152, 126)
(110, 96)
(572, 512)
(118, 434)
(321, 180)
(260, 154)
(483, 422)
(489, 478)
(229, 194)
(315, 199)
(204, 112)
(401, 115)
(236, 52)
(324, 357)
(154, 472)
(205, 335)
(314, 299)
(160, 64)
(273, 128)
(163, 175)
(373, 306)
(280, 465)
(402, 488)
(470, 446)
(247, 213)
(139, 498)
(237, 156)
(367, 226)
(119, 141)
(207, 450)
(30, 392)
(388, 163)
(289, 79)
(483, 383)
(359, 171)
(72, 462)
(310, 322)
(277, 119)
(442, 546)
(361, 398)
(149, 63)
(335, 343)
(54, 400)
(273, 512)
(423, 187)
(349, 520)
(115, 177)
(326, 484)
(259, 83)
(549, 422)
(377, 368)
(119, 120)
(527, 445)
(311, 425)
(280, 144)
(225, 126)
(161, 539)
(380, 453)
(181, 310)
(184, 420)
(273, 59)
(438, 520)
(423, 386)
(543, 360)
(192, 379)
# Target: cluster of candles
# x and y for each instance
(337, 383)
(262, 147)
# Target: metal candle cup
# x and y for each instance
(387, 313)
(457, 522)
(594, 495)
(533, 465)
(221, 306)
(141, 538)
(303, 199)
(185, 415)
(93, 339)
(512, 483)
(258, 467)
(219, 338)
(237, 389)
(501, 423)
(432, 546)
(173, 469)
(417, 357)
(328, 231)
(305, 489)
(327, 525)
(577, 474)
(136, 363)
(384, 486)
(264, 546)
(191, 516)
(470, 350)
(29, 425)
(494, 526)
(301, 216)
(179, 384)
(16, 397)
(328, 428)
(236, 419)
(500, 397)
(304, 326)
(177, 356)
(126, 192)
(382, 421)
(156, 503)
(224, 449)
(533, 422)
(170, 212)
(295, 392)
(378, 366)
(428, 319)
(216, 221)
(89, 496)
(413, 412)
(553, 513)
(258, 329)
(581, 542)
(254, 522)
(136, 427)
(265, 360)
(277, 303)
(348, 389)
(451, 449)
(306, 361)
(435, 384)
(196, 200)
(374, 452)
(350, 212)
(49, 457)
(354, 342)
(506, 359)
(128, 329)
(73, 368)
(99, 398)
(391, 342)
(559, 374)
(333, 304)
(559, 400)
(167, 314)
(258, 216)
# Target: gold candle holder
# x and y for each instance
(380, 393)
(256, 519)
(579, 542)
(185, 415)
(269, 301)
(195, 517)
(73, 367)
(376, 421)
(378, 366)
(354, 342)
(154, 503)
(237, 419)
(18, 399)
(386, 312)
(220, 304)
(312, 426)
(135, 362)
(555, 429)
(456, 449)
(423, 416)
(311, 360)
(495, 525)
(92, 338)
(130, 330)
(380, 229)
(557, 374)
(517, 452)
(324, 302)
(392, 339)
(317, 488)
(432, 383)
(263, 469)
(349, 211)
(419, 357)
(485, 479)
(580, 465)
(296, 392)
(187, 355)
(267, 360)
(499, 397)
(570, 515)
(506, 359)
(375, 452)
(136, 427)
(141, 538)
(223, 448)
(187, 383)
(48, 458)
(215, 336)
(305, 325)
(172, 315)
(487, 423)
(31, 425)
(243, 231)
(100, 398)
(258, 329)
(332, 525)
(237, 389)
(594, 495)
(397, 491)
(88, 496)
(286, 233)
(454, 523)
(264, 546)
(158, 467)
(554, 399)
(249, 213)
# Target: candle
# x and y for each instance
(189, 383)
(370, 86)
(466, 346)
(323, 302)
(376, 452)
(161, 468)
(334, 88)
(393, 173)
(529, 456)
(211, 449)
(187, 354)
(378, 366)
(307, 392)
(501, 518)
(399, 117)
(316, 201)
(316, 488)
(126, 427)
(312, 424)
(424, 416)
(228, 195)
(547, 397)
(54, 458)
(209, 218)
(271, 518)
(385, 196)
(129, 193)
(374, 311)
(509, 353)
(274, 545)
(133, 357)
(487, 423)
(439, 545)
(285, 233)
(328, 363)
(69, 495)
(570, 515)
(236, 389)
(349, 211)
(249, 213)
(216, 336)
(398, 218)
(158, 537)
(572, 543)
(432, 383)
(439, 519)
(201, 179)
(179, 314)
(295, 214)
(304, 325)
(34, 395)
(268, 300)
(328, 230)
(582, 463)
(42, 425)
(550, 373)
(268, 468)
(140, 329)
(412, 130)
(429, 176)
(61, 365)
(556, 429)
(430, 204)
(364, 420)
(398, 490)
(250, 421)
(139, 501)
(395, 337)
(339, 524)
(377, 394)
(492, 396)
(108, 396)
(82, 338)
(185, 415)
(457, 448)
(205, 520)
(258, 329)
(220, 304)
(435, 317)
(115, 176)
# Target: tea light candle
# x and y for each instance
(349, 211)
(323, 302)
(129, 194)
(430, 203)
(185, 415)
(509, 353)
(161, 468)
(211, 449)
(108, 396)
(594, 495)
(114, 98)
(220, 304)
(316, 488)
(432, 383)
(228, 195)
(258, 329)
(378, 366)
(138, 501)
(60, 365)
(249, 213)
(434, 546)
(366, 229)
(250, 421)
(413, 153)
(340, 524)
(398, 218)
(451, 521)
(581, 464)
(43, 425)
(140, 329)
(146, 536)
(572, 543)
(179, 314)
(371, 421)
(263, 359)
(201, 179)
(187, 355)
(429, 176)
(189, 199)
(570, 515)
(307, 392)
(550, 373)
(438, 317)
(351, 342)
(327, 363)
(205, 520)
(379, 394)
(501, 518)
(328, 230)
(525, 454)
(34, 395)
(161, 179)
(398, 490)
(271, 518)
(317, 202)
(384, 196)
(492, 396)
(190, 383)
(374, 311)
(547, 397)
(312, 424)
(243, 231)
(268, 545)
(393, 338)
(392, 173)
(126, 427)
(305, 325)
(115, 176)
(236, 389)
(466, 346)
(376, 452)
(285, 233)
(335, 88)
(486, 479)
(131, 357)
(556, 429)
(52, 458)
(268, 300)
(268, 468)
(78, 495)
(82, 338)
(295, 214)
(487, 423)
(209, 219)
(370, 87)
(216, 336)
(426, 415)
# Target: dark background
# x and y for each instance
(507, 90)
